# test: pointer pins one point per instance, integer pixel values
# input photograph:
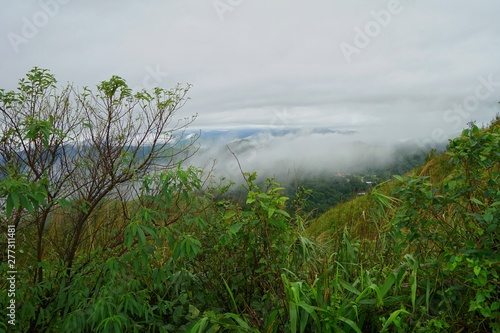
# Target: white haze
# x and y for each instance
(279, 63)
(294, 154)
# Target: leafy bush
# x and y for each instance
(452, 229)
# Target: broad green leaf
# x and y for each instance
(399, 178)
(141, 236)
(234, 228)
(476, 201)
(351, 323)
(392, 317)
(282, 212)
(228, 215)
(488, 217)
(391, 279)
(413, 286)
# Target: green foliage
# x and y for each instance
(328, 191)
(112, 86)
(160, 250)
(69, 163)
(451, 226)
(244, 251)
(19, 193)
(441, 222)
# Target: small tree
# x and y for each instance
(66, 153)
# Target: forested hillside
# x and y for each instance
(102, 235)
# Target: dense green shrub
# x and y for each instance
(451, 227)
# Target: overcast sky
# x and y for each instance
(401, 68)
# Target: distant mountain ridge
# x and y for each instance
(231, 134)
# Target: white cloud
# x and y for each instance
(268, 55)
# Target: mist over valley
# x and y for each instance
(290, 152)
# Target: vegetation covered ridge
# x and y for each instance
(443, 215)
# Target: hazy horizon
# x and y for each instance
(392, 71)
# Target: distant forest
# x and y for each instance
(321, 191)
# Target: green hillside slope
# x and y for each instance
(441, 221)
(354, 213)
(357, 215)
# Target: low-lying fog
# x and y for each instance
(289, 152)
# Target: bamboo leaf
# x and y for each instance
(350, 323)
(392, 317)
